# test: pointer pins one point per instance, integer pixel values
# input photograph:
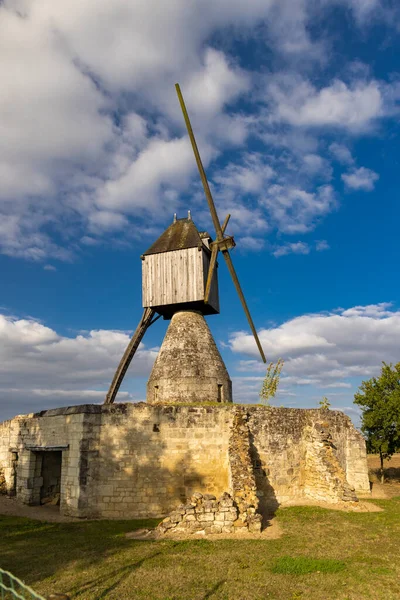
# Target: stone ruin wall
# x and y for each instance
(136, 460)
(291, 459)
(149, 459)
(19, 435)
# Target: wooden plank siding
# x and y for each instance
(176, 277)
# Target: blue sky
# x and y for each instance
(295, 106)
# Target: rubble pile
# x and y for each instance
(205, 514)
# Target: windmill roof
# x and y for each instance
(180, 235)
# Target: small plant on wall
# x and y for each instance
(271, 381)
(324, 404)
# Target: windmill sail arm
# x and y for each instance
(202, 172)
(145, 322)
(225, 223)
(232, 271)
(222, 243)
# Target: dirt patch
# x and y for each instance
(343, 506)
(12, 508)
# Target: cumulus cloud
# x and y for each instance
(251, 243)
(299, 248)
(330, 346)
(360, 179)
(293, 248)
(362, 9)
(91, 133)
(40, 368)
(332, 351)
(321, 245)
(352, 106)
(341, 153)
(247, 177)
(295, 210)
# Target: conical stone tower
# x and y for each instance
(189, 368)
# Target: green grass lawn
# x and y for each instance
(322, 555)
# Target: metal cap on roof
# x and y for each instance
(182, 234)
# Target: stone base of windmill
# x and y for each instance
(206, 515)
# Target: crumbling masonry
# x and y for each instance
(141, 460)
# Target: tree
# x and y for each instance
(271, 381)
(324, 403)
(379, 399)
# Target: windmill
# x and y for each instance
(179, 282)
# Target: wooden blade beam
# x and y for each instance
(232, 271)
(206, 187)
(222, 242)
(144, 324)
(225, 223)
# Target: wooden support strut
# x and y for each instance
(145, 322)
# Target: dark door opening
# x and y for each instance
(51, 474)
(14, 470)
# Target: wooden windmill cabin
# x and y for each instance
(175, 270)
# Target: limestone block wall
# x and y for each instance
(290, 461)
(322, 475)
(150, 459)
(351, 451)
(24, 437)
(141, 460)
(6, 480)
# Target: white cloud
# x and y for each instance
(341, 153)
(91, 130)
(49, 268)
(360, 179)
(50, 115)
(321, 245)
(296, 210)
(338, 385)
(104, 220)
(353, 107)
(299, 248)
(162, 163)
(35, 357)
(316, 165)
(362, 9)
(250, 243)
(248, 177)
(293, 248)
(328, 347)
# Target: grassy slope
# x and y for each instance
(323, 555)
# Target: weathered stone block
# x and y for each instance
(189, 518)
(207, 517)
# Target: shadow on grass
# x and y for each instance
(391, 474)
(213, 590)
(120, 574)
(35, 551)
